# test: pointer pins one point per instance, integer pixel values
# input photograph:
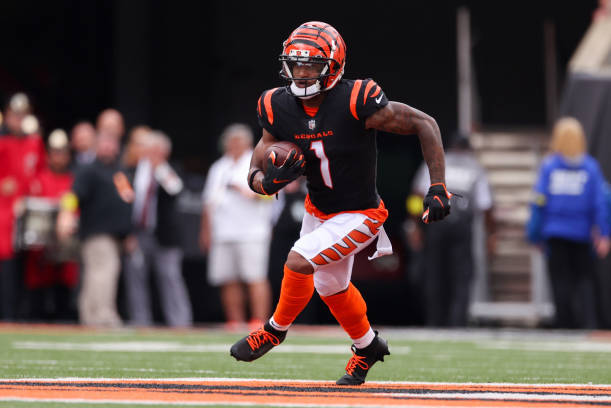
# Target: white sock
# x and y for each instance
(365, 340)
(277, 326)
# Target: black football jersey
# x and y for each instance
(340, 153)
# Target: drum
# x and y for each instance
(35, 229)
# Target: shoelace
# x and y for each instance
(258, 338)
(356, 361)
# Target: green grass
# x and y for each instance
(471, 360)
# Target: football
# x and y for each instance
(282, 150)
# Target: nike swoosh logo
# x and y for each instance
(379, 99)
(276, 181)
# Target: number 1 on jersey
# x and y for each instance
(319, 151)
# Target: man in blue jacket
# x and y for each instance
(569, 214)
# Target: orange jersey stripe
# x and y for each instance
(331, 254)
(319, 260)
(267, 101)
(370, 85)
(358, 236)
(345, 250)
(355, 93)
(259, 106)
(378, 214)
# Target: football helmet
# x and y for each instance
(318, 43)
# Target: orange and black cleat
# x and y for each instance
(362, 359)
(257, 343)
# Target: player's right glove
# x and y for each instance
(277, 177)
(436, 203)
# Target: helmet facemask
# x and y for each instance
(297, 58)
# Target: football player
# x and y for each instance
(334, 122)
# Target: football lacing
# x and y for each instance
(258, 338)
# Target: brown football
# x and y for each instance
(282, 150)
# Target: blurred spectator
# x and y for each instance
(569, 215)
(82, 141)
(136, 145)
(235, 231)
(155, 219)
(22, 155)
(447, 247)
(100, 191)
(603, 11)
(49, 279)
(110, 121)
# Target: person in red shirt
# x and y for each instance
(22, 157)
(50, 278)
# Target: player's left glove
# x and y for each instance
(436, 203)
(277, 177)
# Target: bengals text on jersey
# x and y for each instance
(340, 152)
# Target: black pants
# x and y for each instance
(448, 270)
(10, 289)
(571, 270)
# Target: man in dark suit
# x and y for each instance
(156, 238)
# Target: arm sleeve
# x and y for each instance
(366, 98)
(210, 184)
(534, 225)
(483, 193)
(540, 191)
(602, 215)
(82, 182)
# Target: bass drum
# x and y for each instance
(35, 230)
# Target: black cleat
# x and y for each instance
(257, 343)
(362, 359)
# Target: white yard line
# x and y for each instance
(552, 346)
(313, 381)
(166, 346)
(183, 403)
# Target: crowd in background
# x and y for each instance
(85, 212)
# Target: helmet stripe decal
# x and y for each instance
(300, 34)
(370, 85)
(353, 96)
(316, 32)
(267, 101)
(307, 42)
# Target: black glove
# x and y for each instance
(436, 203)
(277, 177)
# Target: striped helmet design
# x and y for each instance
(315, 42)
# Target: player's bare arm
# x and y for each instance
(402, 119)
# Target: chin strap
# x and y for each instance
(305, 93)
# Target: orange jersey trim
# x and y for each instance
(379, 214)
(259, 106)
(370, 85)
(353, 97)
(311, 111)
(267, 101)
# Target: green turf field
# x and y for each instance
(416, 356)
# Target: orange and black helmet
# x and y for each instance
(314, 42)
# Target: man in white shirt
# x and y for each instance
(157, 236)
(236, 230)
